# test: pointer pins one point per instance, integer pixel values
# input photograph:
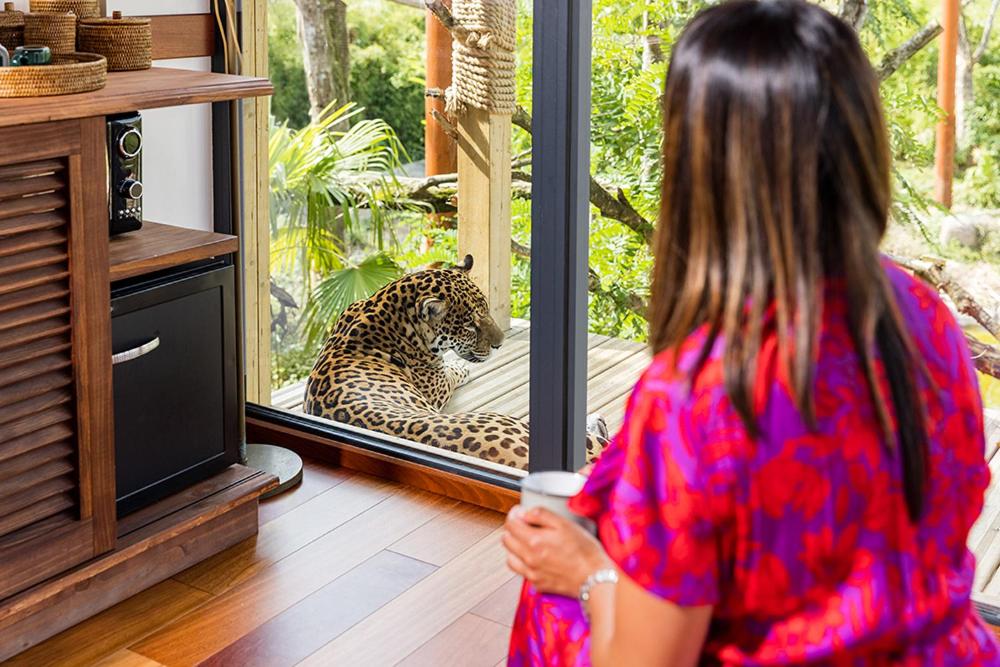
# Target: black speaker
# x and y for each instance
(125, 172)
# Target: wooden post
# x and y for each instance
(441, 153)
(256, 192)
(944, 152)
(484, 191)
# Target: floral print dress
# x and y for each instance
(800, 540)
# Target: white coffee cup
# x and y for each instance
(552, 490)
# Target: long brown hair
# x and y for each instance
(776, 176)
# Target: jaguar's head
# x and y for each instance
(454, 314)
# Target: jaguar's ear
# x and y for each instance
(466, 264)
(432, 310)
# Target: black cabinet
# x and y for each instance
(175, 385)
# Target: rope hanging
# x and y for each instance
(483, 65)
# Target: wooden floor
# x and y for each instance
(347, 570)
(501, 384)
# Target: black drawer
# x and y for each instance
(175, 375)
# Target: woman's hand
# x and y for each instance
(552, 553)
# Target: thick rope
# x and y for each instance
(483, 65)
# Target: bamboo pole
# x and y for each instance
(944, 153)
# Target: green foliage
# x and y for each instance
(387, 67)
(290, 102)
(343, 287)
(315, 212)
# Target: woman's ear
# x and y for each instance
(432, 310)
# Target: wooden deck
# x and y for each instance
(501, 384)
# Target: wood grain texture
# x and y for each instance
(293, 635)
(412, 475)
(232, 477)
(471, 641)
(44, 141)
(127, 91)
(125, 658)
(104, 634)
(156, 247)
(410, 618)
(484, 214)
(501, 605)
(316, 479)
(244, 608)
(288, 533)
(448, 535)
(50, 608)
(183, 36)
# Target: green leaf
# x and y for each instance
(342, 288)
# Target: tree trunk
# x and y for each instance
(325, 44)
(965, 94)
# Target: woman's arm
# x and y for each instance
(628, 625)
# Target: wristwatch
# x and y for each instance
(604, 576)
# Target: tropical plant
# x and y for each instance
(329, 230)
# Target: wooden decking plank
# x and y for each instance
(478, 394)
(471, 641)
(501, 605)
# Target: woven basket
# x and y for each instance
(11, 27)
(84, 9)
(127, 43)
(56, 31)
(69, 73)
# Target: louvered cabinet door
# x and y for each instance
(56, 449)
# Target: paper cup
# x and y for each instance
(552, 490)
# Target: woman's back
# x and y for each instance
(801, 540)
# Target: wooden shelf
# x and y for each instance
(156, 247)
(132, 91)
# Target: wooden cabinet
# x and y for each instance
(56, 450)
(64, 555)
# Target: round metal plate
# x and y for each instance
(280, 462)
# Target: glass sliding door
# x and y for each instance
(385, 177)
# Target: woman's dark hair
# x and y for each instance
(776, 177)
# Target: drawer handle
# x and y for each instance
(135, 352)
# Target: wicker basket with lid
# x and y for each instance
(127, 42)
(56, 31)
(11, 27)
(84, 9)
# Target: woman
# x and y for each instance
(801, 463)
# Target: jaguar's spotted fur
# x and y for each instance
(383, 368)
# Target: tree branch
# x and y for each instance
(624, 299)
(894, 59)
(934, 273)
(616, 207)
(854, 12)
(416, 4)
(984, 356)
(447, 19)
(984, 41)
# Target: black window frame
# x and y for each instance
(559, 250)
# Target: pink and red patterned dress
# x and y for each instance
(800, 540)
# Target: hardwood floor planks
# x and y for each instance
(449, 534)
(422, 611)
(501, 605)
(272, 590)
(288, 533)
(114, 629)
(126, 658)
(317, 478)
(299, 631)
(471, 641)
